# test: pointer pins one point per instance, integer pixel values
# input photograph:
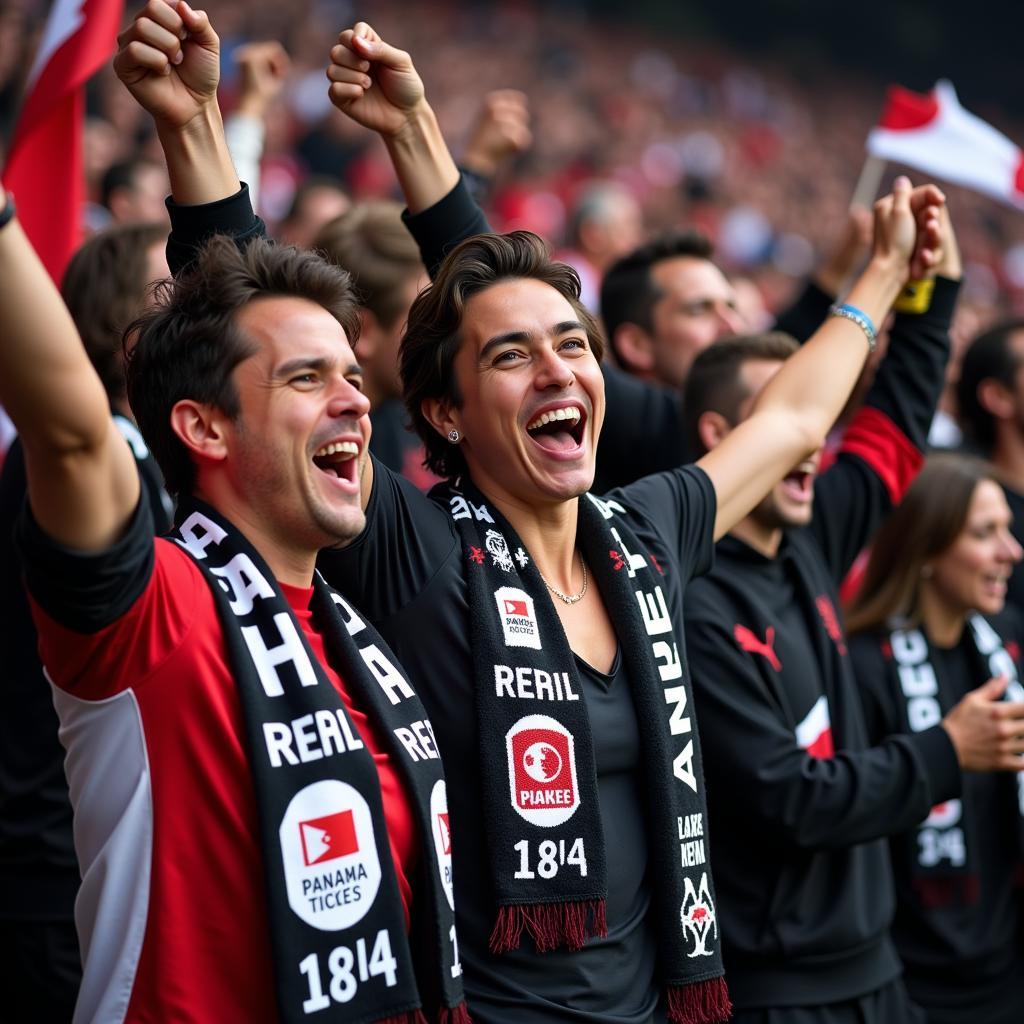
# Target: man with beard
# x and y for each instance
(800, 802)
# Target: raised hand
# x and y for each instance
(372, 82)
(907, 233)
(169, 60)
(987, 732)
(501, 131)
(263, 68)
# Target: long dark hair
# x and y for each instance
(926, 523)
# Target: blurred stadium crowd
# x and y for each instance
(760, 159)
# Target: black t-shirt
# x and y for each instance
(405, 572)
(394, 444)
(964, 960)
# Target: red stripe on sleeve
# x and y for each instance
(890, 454)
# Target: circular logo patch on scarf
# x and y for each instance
(331, 866)
(542, 770)
(442, 837)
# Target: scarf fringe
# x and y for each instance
(458, 1014)
(412, 1017)
(550, 925)
(704, 1002)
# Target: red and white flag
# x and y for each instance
(45, 169)
(934, 134)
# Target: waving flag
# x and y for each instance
(45, 168)
(934, 134)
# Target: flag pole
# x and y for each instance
(867, 184)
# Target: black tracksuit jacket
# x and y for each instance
(804, 883)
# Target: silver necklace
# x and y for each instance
(568, 598)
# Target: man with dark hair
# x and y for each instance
(718, 380)
(372, 244)
(990, 401)
(133, 191)
(259, 806)
(662, 305)
(665, 303)
(801, 802)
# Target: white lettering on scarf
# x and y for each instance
(309, 738)
(269, 659)
(658, 622)
(939, 836)
(391, 681)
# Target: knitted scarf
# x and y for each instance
(337, 924)
(541, 814)
(942, 838)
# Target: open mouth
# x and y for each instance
(799, 484)
(558, 430)
(339, 460)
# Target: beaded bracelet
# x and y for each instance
(8, 212)
(860, 318)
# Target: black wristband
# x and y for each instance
(8, 212)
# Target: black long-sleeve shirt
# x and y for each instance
(798, 799)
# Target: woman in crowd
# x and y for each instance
(931, 625)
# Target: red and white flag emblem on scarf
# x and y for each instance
(814, 733)
(934, 134)
(45, 168)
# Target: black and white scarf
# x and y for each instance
(541, 814)
(337, 925)
(942, 848)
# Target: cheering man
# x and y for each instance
(260, 812)
(806, 894)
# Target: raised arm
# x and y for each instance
(377, 86)
(262, 70)
(169, 60)
(82, 481)
(798, 407)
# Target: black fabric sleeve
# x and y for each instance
(642, 431)
(912, 374)
(83, 591)
(192, 226)
(806, 314)
(765, 777)
(884, 444)
(439, 228)
(406, 540)
(680, 507)
(878, 702)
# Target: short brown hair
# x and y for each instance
(926, 523)
(714, 384)
(373, 245)
(189, 344)
(432, 339)
(104, 288)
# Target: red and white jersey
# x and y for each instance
(172, 910)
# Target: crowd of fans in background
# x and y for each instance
(762, 162)
(598, 148)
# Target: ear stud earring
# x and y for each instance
(454, 436)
